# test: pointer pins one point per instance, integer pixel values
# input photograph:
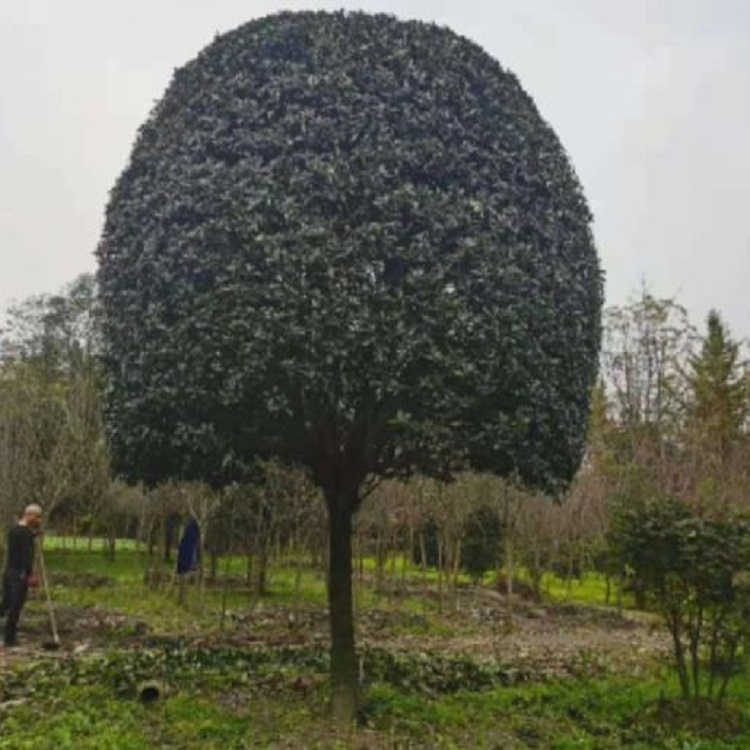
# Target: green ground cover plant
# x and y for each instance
(429, 679)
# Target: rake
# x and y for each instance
(54, 644)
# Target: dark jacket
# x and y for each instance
(20, 550)
(189, 549)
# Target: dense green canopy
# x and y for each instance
(348, 241)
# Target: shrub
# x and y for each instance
(482, 542)
(695, 571)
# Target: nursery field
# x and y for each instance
(232, 669)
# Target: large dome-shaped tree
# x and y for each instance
(353, 243)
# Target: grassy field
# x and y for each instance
(236, 670)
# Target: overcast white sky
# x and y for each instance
(650, 97)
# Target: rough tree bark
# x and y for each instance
(345, 691)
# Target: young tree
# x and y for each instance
(52, 448)
(351, 243)
(695, 572)
(28, 426)
(718, 404)
(54, 332)
(646, 349)
(717, 381)
(482, 541)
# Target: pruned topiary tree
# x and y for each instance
(352, 243)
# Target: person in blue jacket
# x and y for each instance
(188, 551)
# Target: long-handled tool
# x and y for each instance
(54, 644)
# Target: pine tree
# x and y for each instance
(719, 402)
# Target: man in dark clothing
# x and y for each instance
(19, 570)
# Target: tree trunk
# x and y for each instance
(406, 557)
(264, 547)
(510, 572)
(111, 543)
(379, 561)
(441, 556)
(261, 582)
(361, 563)
(679, 654)
(297, 588)
(456, 573)
(423, 556)
(168, 540)
(694, 639)
(392, 551)
(340, 604)
(536, 574)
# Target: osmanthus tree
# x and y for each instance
(351, 243)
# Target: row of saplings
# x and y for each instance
(691, 569)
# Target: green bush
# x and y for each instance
(428, 554)
(696, 572)
(482, 542)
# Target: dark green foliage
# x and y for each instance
(696, 572)
(184, 667)
(719, 389)
(350, 241)
(55, 333)
(481, 544)
(644, 542)
(426, 545)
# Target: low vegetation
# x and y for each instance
(235, 669)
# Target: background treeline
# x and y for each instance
(669, 424)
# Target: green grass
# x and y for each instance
(76, 718)
(54, 541)
(286, 588)
(130, 563)
(125, 589)
(127, 592)
(591, 588)
(226, 705)
(586, 714)
(594, 715)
